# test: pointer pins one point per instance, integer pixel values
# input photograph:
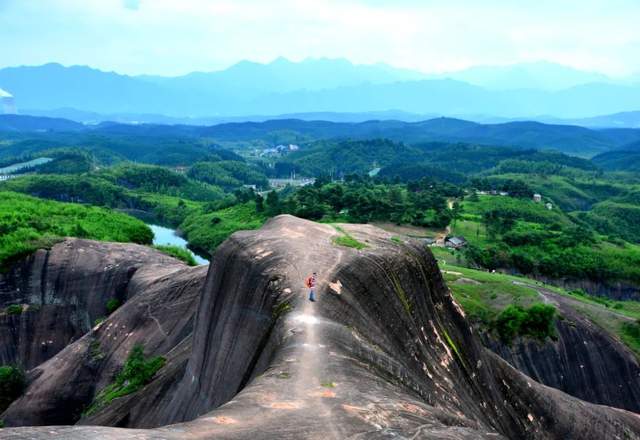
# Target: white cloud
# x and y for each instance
(171, 37)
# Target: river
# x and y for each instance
(165, 236)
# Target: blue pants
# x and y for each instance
(312, 295)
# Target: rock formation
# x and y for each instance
(62, 292)
(583, 360)
(384, 353)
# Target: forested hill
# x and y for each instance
(22, 123)
(565, 138)
(626, 158)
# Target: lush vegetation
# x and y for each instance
(592, 230)
(205, 231)
(112, 305)
(28, 223)
(182, 177)
(362, 200)
(535, 322)
(512, 233)
(501, 303)
(111, 143)
(620, 160)
(138, 189)
(12, 385)
(343, 158)
(492, 298)
(136, 372)
(159, 180)
(228, 174)
(482, 294)
(13, 309)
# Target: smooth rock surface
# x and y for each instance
(162, 295)
(384, 353)
(63, 291)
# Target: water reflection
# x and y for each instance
(166, 236)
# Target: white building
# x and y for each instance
(537, 198)
(7, 102)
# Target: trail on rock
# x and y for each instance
(385, 353)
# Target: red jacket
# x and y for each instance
(310, 282)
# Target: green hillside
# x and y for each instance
(28, 223)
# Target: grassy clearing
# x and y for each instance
(483, 295)
(448, 255)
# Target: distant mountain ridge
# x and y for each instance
(23, 123)
(569, 139)
(537, 75)
(323, 86)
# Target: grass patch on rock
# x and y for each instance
(12, 385)
(112, 305)
(630, 334)
(347, 240)
(281, 309)
(13, 309)
(178, 253)
(136, 372)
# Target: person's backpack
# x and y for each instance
(308, 282)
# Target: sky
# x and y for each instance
(173, 37)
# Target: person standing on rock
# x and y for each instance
(310, 282)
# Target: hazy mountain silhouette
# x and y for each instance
(538, 75)
(319, 85)
(247, 79)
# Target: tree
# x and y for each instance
(499, 220)
(273, 203)
(259, 203)
(456, 209)
(12, 384)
